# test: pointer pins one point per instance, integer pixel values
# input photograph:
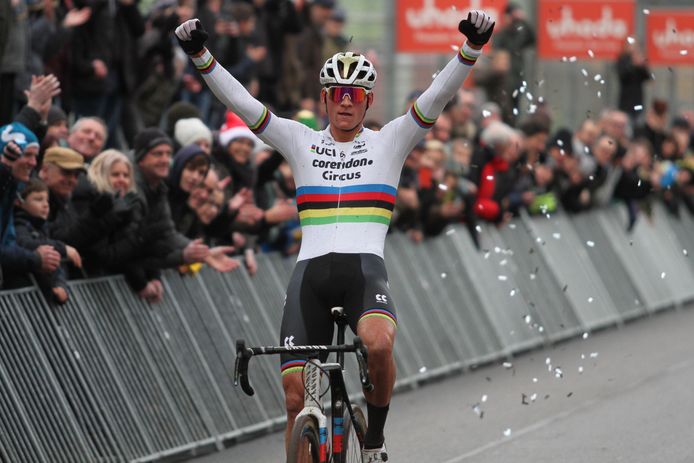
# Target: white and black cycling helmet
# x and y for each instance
(348, 68)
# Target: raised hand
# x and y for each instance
(477, 27)
(191, 36)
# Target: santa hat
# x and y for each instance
(190, 130)
(235, 128)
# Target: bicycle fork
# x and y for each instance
(312, 405)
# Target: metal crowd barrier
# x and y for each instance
(108, 378)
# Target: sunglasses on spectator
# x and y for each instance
(355, 94)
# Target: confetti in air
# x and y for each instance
(454, 47)
(443, 275)
(507, 365)
(590, 300)
(585, 335)
(502, 277)
(556, 236)
(684, 251)
(662, 276)
(486, 113)
(584, 72)
(423, 369)
(590, 244)
(484, 398)
(646, 11)
(631, 40)
(683, 52)
(638, 107)
(507, 432)
(591, 54)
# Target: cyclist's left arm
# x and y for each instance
(408, 129)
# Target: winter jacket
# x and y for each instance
(13, 258)
(119, 245)
(32, 232)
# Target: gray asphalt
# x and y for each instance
(621, 395)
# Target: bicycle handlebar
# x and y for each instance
(244, 354)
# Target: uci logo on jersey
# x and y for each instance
(320, 150)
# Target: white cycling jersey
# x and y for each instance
(345, 190)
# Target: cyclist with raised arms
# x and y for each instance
(346, 178)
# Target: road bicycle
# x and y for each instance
(309, 438)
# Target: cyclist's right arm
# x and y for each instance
(277, 132)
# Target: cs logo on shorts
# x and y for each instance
(382, 298)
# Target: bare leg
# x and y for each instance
(294, 402)
(378, 335)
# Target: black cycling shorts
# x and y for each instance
(356, 282)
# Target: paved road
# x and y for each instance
(621, 395)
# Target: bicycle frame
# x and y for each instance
(312, 379)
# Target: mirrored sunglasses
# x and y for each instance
(355, 94)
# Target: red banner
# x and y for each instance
(431, 26)
(572, 27)
(670, 37)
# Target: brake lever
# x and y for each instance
(243, 356)
(362, 354)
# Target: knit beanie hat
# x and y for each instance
(180, 110)
(148, 139)
(55, 115)
(19, 134)
(235, 128)
(190, 130)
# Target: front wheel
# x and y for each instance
(353, 436)
(304, 444)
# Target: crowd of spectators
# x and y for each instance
(154, 173)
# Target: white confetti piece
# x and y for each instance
(528, 319)
(597, 77)
(502, 277)
(423, 369)
(529, 96)
(503, 262)
(548, 361)
(684, 251)
(631, 40)
(646, 11)
(507, 432)
(558, 373)
(593, 355)
(450, 232)
(533, 397)
(580, 370)
(683, 52)
(515, 111)
(478, 411)
(556, 236)
(584, 72)
(534, 380)
(507, 365)
(490, 177)
(533, 276)
(591, 54)
(486, 113)
(484, 398)
(512, 293)
(585, 335)
(662, 275)
(590, 244)
(572, 59)
(443, 187)
(454, 47)
(599, 94)
(638, 107)
(541, 329)
(443, 275)
(478, 228)
(77, 355)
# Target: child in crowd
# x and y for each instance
(30, 224)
